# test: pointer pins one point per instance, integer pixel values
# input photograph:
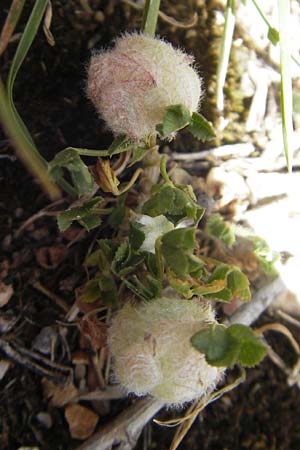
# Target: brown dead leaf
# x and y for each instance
(105, 177)
(6, 292)
(82, 421)
(58, 395)
(94, 330)
(51, 257)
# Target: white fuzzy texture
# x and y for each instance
(133, 84)
(150, 344)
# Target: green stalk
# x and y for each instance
(27, 38)
(261, 14)
(225, 52)
(24, 148)
(286, 80)
(150, 16)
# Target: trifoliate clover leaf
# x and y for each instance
(220, 349)
(175, 118)
(176, 203)
(177, 248)
(85, 214)
(252, 349)
(224, 347)
(70, 160)
(200, 128)
(217, 227)
(159, 203)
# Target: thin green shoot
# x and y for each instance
(24, 149)
(150, 17)
(286, 80)
(226, 44)
(27, 38)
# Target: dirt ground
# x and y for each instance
(44, 266)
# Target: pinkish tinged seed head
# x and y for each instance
(133, 84)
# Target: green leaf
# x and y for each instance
(266, 257)
(120, 144)
(238, 284)
(86, 215)
(160, 202)
(175, 118)
(200, 128)
(91, 292)
(273, 35)
(13, 124)
(217, 227)
(252, 350)
(125, 260)
(137, 155)
(102, 287)
(177, 247)
(174, 202)
(108, 289)
(136, 235)
(118, 213)
(220, 349)
(24, 45)
(69, 159)
(224, 347)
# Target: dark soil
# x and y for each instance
(264, 412)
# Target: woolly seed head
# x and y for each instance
(133, 84)
(150, 344)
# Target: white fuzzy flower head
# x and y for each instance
(133, 84)
(152, 352)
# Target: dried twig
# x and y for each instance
(109, 393)
(36, 362)
(55, 298)
(42, 213)
(250, 312)
(126, 428)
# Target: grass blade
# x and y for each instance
(225, 52)
(10, 23)
(21, 52)
(23, 147)
(286, 80)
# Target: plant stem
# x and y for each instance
(150, 16)
(225, 52)
(27, 153)
(286, 79)
(261, 14)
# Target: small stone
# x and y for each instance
(6, 292)
(82, 421)
(45, 419)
